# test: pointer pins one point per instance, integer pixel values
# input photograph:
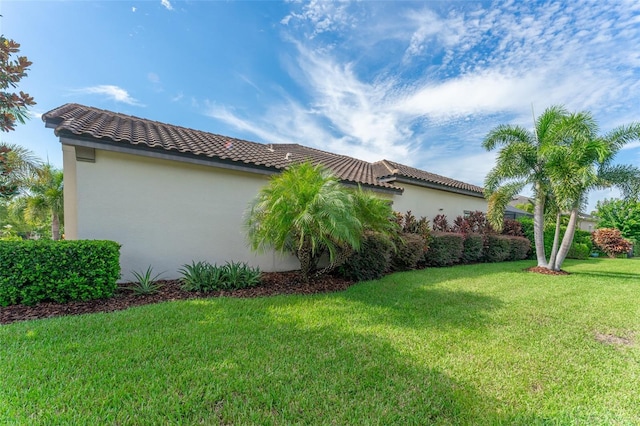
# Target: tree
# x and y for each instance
(563, 159)
(623, 215)
(45, 199)
(308, 212)
(17, 166)
(520, 162)
(13, 106)
(583, 161)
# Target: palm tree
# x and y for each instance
(584, 161)
(44, 198)
(307, 211)
(520, 162)
(563, 159)
(17, 166)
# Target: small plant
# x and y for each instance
(201, 276)
(240, 275)
(204, 277)
(147, 283)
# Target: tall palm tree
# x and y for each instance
(307, 211)
(521, 162)
(584, 161)
(17, 166)
(45, 198)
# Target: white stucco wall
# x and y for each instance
(431, 202)
(166, 213)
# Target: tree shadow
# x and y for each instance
(310, 367)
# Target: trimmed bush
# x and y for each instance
(59, 271)
(371, 261)
(579, 251)
(498, 248)
(520, 247)
(473, 248)
(409, 251)
(445, 249)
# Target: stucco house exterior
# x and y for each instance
(171, 195)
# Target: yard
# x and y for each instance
(477, 344)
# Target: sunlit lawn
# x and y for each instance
(480, 344)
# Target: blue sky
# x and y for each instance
(419, 83)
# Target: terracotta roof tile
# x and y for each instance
(111, 127)
(386, 168)
(116, 128)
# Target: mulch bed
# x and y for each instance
(272, 283)
(545, 271)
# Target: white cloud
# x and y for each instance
(167, 4)
(114, 93)
(423, 86)
(133, 9)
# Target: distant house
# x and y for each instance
(170, 195)
(511, 212)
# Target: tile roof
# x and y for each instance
(387, 169)
(119, 129)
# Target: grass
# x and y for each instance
(479, 344)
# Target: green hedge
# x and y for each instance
(408, 252)
(520, 247)
(445, 249)
(580, 237)
(498, 248)
(473, 248)
(59, 271)
(371, 261)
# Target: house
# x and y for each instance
(171, 195)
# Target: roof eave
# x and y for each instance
(434, 185)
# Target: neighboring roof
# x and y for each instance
(391, 170)
(120, 131)
(517, 211)
(520, 199)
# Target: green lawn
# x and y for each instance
(480, 344)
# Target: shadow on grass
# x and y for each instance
(306, 367)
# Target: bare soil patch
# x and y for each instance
(612, 339)
(272, 283)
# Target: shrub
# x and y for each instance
(441, 224)
(498, 248)
(520, 247)
(445, 249)
(371, 261)
(579, 251)
(473, 247)
(610, 241)
(59, 271)
(513, 228)
(409, 251)
(479, 223)
(204, 277)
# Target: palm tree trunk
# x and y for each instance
(538, 227)
(305, 257)
(567, 240)
(554, 249)
(55, 227)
